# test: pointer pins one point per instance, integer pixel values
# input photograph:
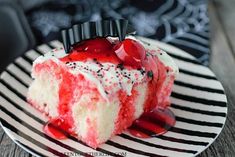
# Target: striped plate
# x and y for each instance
(198, 101)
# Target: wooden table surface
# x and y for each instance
(222, 63)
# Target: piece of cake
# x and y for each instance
(99, 88)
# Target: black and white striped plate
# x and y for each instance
(198, 101)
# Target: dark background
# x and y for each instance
(27, 23)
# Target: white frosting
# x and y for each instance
(154, 50)
(108, 77)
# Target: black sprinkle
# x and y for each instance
(142, 71)
(160, 53)
(106, 92)
(120, 66)
(99, 64)
(98, 71)
(67, 63)
(127, 76)
(150, 74)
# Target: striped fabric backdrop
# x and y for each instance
(182, 23)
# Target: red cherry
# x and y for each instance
(130, 52)
(100, 49)
(94, 45)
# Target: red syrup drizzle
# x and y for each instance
(149, 124)
(58, 128)
(100, 49)
(152, 124)
(53, 128)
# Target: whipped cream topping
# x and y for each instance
(108, 77)
(112, 77)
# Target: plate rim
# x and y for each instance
(160, 45)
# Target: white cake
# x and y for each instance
(94, 94)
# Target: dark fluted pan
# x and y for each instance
(88, 30)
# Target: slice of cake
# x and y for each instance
(101, 86)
